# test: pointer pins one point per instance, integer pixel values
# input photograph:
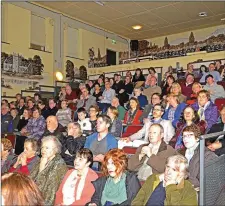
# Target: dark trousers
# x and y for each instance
(19, 144)
(103, 107)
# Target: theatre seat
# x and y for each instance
(222, 83)
(131, 130)
(11, 137)
(220, 102)
(130, 150)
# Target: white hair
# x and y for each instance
(55, 140)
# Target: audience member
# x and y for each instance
(12, 105)
(37, 98)
(117, 186)
(73, 142)
(28, 158)
(176, 90)
(128, 86)
(213, 72)
(62, 94)
(166, 87)
(18, 98)
(215, 90)
(27, 114)
(76, 187)
(118, 84)
(206, 109)
(15, 119)
(138, 77)
(93, 115)
(6, 119)
(50, 169)
(142, 99)
(83, 121)
(52, 109)
(186, 87)
(101, 141)
(168, 188)
(86, 100)
(106, 98)
(158, 111)
(21, 106)
(174, 109)
(116, 126)
(42, 107)
(71, 97)
(30, 104)
(18, 189)
(121, 109)
(8, 158)
(64, 115)
(191, 135)
(148, 109)
(151, 158)
(189, 117)
(97, 92)
(101, 83)
(5, 101)
(196, 87)
(152, 88)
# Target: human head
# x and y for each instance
(27, 113)
(100, 81)
(190, 68)
(113, 112)
(138, 72)
(114, 163)
(191, 135)
(81, 113)
(97, 87)
(222, 114)
(151, 70)
(28, 98)
(190, 78)
(218, 64)
(18, 97)
(103, 123)
(176, 168)
(115, 102)
(63, 90)
(84, 92)
(50, 146)
(203, 97)
(30, 103)
(209, 79)
(64, 104)
(127, 79)
(41, 104)
(84, 159)
(68, 89)
(51, 103)
(5, 101)
(21, 102)
(6, 147)
(4, 109)
(93, 111)
(74, 129)
(137, 91)
(158, 111)
(30, 147)
(155, 99)
(19, 189)
(175, 88)
(170, 79)
(111, 81)
(37, 97)
(107, 85)
(172, 99)
(134, 103)
(156, 133)
(14, 112)
(153, 81)
(52, 123)
(211, 67)
(36, 113)
(196, 87)
(203, 68)
(189, 114)
(12, 105)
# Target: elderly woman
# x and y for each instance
(117, 186)
(76, 187)
(176, 90)
(28, 158)
(189, 117)
(174, 109)
(117, 126)
(73, 142)
(7, 156)
(50, 169)
(169, 188)
(196, 87)
(191, 135)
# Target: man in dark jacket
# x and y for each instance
(52, 109)
(6, 119)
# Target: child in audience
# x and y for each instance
(83, 121)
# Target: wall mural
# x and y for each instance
(73, 73)
(98, 61)
(18, 70)
(215, 42)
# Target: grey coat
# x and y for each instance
(146, 112)
(91, 101)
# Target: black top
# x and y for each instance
(50, 112)
(137, 79)
(97, 96)
(22, 123)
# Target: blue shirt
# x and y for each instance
(215, 74)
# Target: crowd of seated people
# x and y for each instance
(72, 149)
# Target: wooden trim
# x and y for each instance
(40, 50)
(74, 57)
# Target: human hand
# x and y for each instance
(126, 139)
(146, 120)
(23, 159)
(121, 91)
(92, 204)
(74, 100)
(23, 131)
(214, 146)
(146, 150)
(101, 97)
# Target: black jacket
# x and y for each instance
(72, 145)
(215, 128)
(56, 133)
(132, 186)
(221, 151)
(50, 112)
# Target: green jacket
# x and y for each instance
(182, 194)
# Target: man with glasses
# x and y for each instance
(158, 111)
(207, 111)
(151, 158)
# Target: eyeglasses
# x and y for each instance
(159, 110)
(188, 135)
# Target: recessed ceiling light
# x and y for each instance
(202, 14)
(137, 27)
(223, 19)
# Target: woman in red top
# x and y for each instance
(27, 159)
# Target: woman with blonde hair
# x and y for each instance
(19, 189)
(196, 87)
(169, 188)
(117, 186)
(176, 90)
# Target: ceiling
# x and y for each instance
(156, 18)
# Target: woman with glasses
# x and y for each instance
(73, 142)
(49, 171)
(191, 136)
(93, 115)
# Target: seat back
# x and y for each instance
(12, 138)
(130, 150)
(131, 130)
(222, 83)
(220, 102)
